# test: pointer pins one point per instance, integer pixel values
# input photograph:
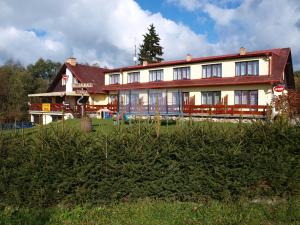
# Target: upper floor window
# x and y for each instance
(156, 75)
(214, 70)
(182, 73)
(248, 97)
(246, 68)
(211, 97)
(114, 78)
(64, 79)
(133, 77)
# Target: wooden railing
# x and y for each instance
(226, 109)
(59, 107)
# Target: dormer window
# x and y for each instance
(213, 70)
(133, 77)
(182, 73)
(114, 78)
(247, 68)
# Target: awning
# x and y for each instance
(53, 94)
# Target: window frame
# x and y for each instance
(136, 76)
(182, 73)
(247, 65)
(248, 94)
(112, 77)
(155, 74)
(209, 68)
(213, 97)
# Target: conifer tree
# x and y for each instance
(150, 50)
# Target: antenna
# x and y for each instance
(135, 59)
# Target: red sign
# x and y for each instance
(279, 88)
(65, 77)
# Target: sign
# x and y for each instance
(46, 107)
(65, 77)
(279, 88)
(82, 92)
(83, 85)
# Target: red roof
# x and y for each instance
(85, 74)
(89, 74)
(278, 62)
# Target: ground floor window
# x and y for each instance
(156, 97)
(248, 97)
(112, 99)
(211, 97)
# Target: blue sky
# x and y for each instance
(105, 32)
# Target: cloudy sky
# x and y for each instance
(105, 31)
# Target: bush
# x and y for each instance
(189, 162)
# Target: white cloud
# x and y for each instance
(254, 24)
(90, 30)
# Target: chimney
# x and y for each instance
(188, 57)
(242, 51)
(145, 63)
(71, 61)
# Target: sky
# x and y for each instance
(105, 32)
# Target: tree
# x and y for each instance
(150, 50)
(45, 69)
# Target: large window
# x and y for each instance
(214, 70)
(156, 75)
(246, 97)
(133, 77)
(114, 78)
(182, 73)
(211, 97)
(156, 97)
(246, 68)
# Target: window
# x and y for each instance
(246, 68)
(211, 97)
(175, 98)
(156, 75)
(112, 99)
(182, 73)
(134, 99)
(114, 78)
(156, 97)
(214, 70)
(133, 77)
(246, 97)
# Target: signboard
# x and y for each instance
(46, 107)
(65, 77)
(83, 85)
(82, 92)
(279, 88)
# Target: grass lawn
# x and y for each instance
(159, 212)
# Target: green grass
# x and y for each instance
(159, 212)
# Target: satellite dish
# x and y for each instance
(135, 59)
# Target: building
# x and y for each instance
(223, 86)
(226, 85)
(63, 97)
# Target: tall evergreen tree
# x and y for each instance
(150, 50)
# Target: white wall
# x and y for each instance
(69, 83)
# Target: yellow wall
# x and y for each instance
(228, 70)
(98, 99)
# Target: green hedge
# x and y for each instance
(187, 162)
